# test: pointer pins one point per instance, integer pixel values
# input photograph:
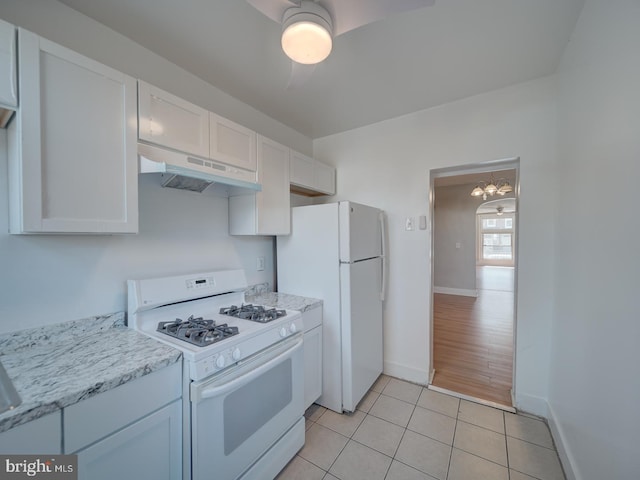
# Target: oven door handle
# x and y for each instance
(217, 387)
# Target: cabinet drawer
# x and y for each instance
(40, 436)
(95, 418)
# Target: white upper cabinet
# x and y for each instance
(324, 178)
(8, 66)
(172, 122)
(301, 169)
(72, 146)
(267, 212)
(232, 143)
(310, 177)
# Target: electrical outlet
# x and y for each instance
(260, 264)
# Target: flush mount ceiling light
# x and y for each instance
(491, 188)
(307, 33)
(309, 26)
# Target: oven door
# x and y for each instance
(238, 415)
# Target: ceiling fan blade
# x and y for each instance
(274, 9)
(349, 15)
(300, 74)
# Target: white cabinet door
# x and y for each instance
(269, 211)
(312, 320)
(310, 177)
(40, 436)
(8, 66)
(172, 122)
(150, 449)
(232, 143)
(301, 169)
(72, 146)
(324, 178)
(273, 203)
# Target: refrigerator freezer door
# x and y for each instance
(361, 329)
(360, 232)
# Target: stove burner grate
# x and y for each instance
(255, 313)
(197, 331)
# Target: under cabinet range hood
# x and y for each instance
(187, 172)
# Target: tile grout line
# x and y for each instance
(506, 445)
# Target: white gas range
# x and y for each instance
(244, 401)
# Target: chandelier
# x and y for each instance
(491, 188)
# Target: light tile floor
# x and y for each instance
(402, 431)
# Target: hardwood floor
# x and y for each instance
(473, 338)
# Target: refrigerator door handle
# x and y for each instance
(383, 239)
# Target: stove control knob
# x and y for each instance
(283, 332)
(220, 361)
(236, 354)
(293, 328)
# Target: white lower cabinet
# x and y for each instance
(40, 436)
(131, 431)
(312, 320)
(148, 449)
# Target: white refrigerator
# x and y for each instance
(336, 252)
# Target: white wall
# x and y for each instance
(594, 389)
(49, 279)
(454, 222)
(387, 165)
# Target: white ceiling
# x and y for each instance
(405, 63)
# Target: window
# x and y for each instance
(495, 239)
(496, 246)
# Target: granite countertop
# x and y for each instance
(284, 300)
(56, 366)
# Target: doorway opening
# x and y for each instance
(474, 288)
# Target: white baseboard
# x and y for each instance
(532, 404)
(405, 372)
(566, 458)
(456, 291)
